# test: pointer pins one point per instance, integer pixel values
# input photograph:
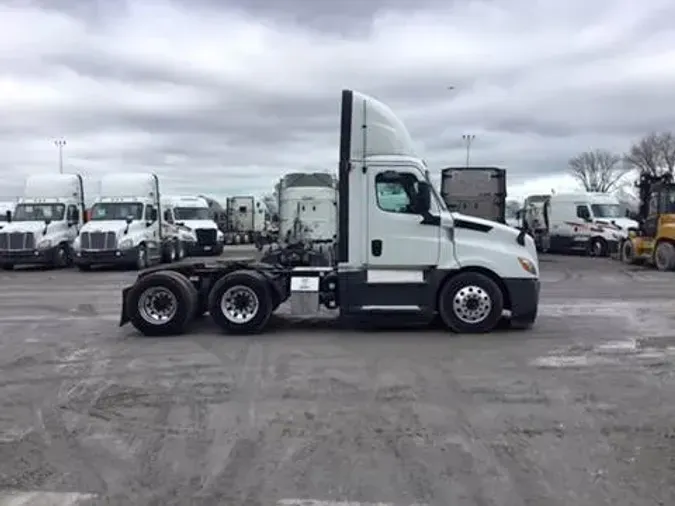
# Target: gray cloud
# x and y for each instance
(229, 98)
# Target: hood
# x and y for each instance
(489, 223)
(195, 224)
(36, 227)
(117, 226)
(620, 223)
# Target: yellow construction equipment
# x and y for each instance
(654, 241)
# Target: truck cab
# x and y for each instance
(126, 226)
(587, 221)
(44, 222)
(197, 228)
(410, 257)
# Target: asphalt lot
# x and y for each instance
(577, 411)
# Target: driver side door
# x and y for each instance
(396, 237)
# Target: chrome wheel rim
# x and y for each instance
(157, 305)
(239, 304)
(471, 304)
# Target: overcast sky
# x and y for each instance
(223, 97)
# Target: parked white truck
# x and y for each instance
(126, 225)
(44, 223)
(416, 260)
(197, 228)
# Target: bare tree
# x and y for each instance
(598, 170)
(654, 154)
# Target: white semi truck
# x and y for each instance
(412, 260)
(246, 221)
(197, 228)
(126, 225)
(44, 222)
(308, 220)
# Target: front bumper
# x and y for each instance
(106, 257)
(524, 297)
(204, 249)
(28, 257)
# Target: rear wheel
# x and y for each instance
(664, 256)
(161, 304)
(627, 252)
(7, 267)
(471, 303)
(241, 302)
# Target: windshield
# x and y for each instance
(606, 210)
(117, 211)
(192, 213)
(39, 212)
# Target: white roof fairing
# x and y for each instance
(377, 131)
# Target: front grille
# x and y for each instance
(206, 237)
(14, 241)
(98, 240)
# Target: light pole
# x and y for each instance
(468, 140)
(60, 143)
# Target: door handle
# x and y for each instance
(376, 247)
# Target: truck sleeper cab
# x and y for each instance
(44, 223)
(399, 252)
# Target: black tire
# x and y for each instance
(471, 287)
(598, 247)
(142, 258)
(254, 286)
(664, 256)
(62, 256)
(185, 296)
(627, 252)
(84, 267)
(7, 267)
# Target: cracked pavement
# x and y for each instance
(577, 411)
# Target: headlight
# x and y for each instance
(44, 244)
(527, 265)
(126, 243)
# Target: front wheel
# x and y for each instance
(141, 258)
(161, 304)
(471, 303)
(599, 247)
(241, 302)
(664, 256)
(62, 257)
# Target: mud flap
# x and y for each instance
(124, 317)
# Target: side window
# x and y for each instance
(583, 212)
(149, 213)
(168, 215)
(396, 191)
(654, 203)
(73, 214)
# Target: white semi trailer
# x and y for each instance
(44, 223)
(413, 260)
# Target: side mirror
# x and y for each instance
(129, 219)
(423, 203)
(153, 215)
(180, 223)
(587, 219)
(8, 215)
(627, 213)
(48, 221)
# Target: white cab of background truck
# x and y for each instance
(45, 222)
(196, 225)
(587, 221)
(126, 225)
